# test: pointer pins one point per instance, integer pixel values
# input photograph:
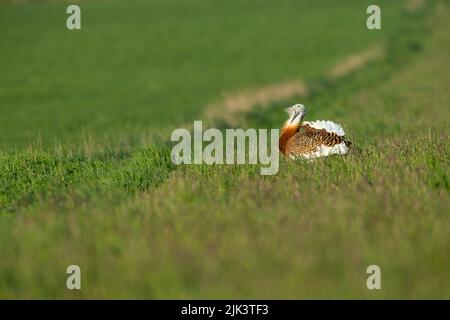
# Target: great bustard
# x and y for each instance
(310, 139)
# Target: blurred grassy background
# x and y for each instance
(141, 228)
(139, 66)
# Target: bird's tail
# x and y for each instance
(348, 143)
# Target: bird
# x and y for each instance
(310, 139)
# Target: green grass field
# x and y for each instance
(86, 176)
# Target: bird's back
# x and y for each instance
(317, 139)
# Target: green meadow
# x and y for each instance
(139, 67)
(86, 176)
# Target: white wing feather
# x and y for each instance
(328, 125)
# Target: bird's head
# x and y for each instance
(296, 113)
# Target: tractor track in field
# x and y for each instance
(231, 108)
(235, 104)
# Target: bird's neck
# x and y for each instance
(286, 133)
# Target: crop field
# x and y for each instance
(86, 176)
